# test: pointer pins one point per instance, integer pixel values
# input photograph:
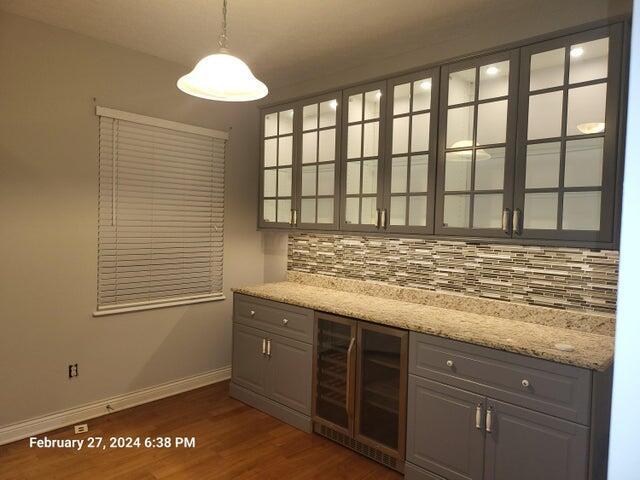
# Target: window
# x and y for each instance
(161, 211)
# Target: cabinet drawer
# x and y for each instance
(279, 318)
(560, 390)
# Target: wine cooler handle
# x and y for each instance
(352, 342)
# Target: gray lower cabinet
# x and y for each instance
(272, 359)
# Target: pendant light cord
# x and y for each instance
(222, 41)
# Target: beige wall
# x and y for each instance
(48, 215)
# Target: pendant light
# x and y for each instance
(221, 76)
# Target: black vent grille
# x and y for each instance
(355, 445)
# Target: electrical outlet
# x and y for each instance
(82, 428)
(73, 370)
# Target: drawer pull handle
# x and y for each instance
(450, 363)
(285, 321)
(264, 346)
(525, 383)
(489, 420)
(269, 348)
(479, 416)
(252, 313)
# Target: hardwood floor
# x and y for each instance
(233, 441)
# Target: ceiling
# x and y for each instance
(284, 41)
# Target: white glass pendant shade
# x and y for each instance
(222, 77)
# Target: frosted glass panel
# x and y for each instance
(589, 61)
(399, 175)
(398, 212)
(583, 163)
(308, 210)
(352, 210)
(355, 108)
(400, 141)
(545, 115)
(354, 141)
(271, 129)
(353, 177)
(368, 212)
(284, 211)
(422, 94)
(492, 123)
(325, 210)
(581, 211)
(327, 145)
(543, 165)
(309, 180)
(328, 113)
(586, 109)
(494, 80)
(541, 211)
(457, 171)
(418, 211)
(420, 132)
(419, 173)
(370, 139)
(547, 69)
(285, 150)
(284, 182)
(401, 98)
(309, 146)
(269, 189)
(460, 127)
(490, 169)
(462, 86)
(269, 210)
(487, 211)
(285, 122)
(270, 152)
(325, 179)
(456, 211)
(372, 104)
(369, 176)
(310, 117)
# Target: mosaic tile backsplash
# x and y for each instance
(557, 277)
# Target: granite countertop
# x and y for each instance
(535, 336)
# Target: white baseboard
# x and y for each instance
(17, 431)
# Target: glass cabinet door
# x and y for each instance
(334, 372)
(362, 157)
(567, 137)
(318, 173)
(477, 146)
(277, 172)
(410, 173)
(382, 386)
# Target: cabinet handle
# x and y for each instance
(517, 220)
(506, 213)
(269, 348)
(252, 313)
(291, 217)
(525, 383)
(479, 416)
(383, 221)
(264, 346)
(295, 217)
(285, 321)
(379, 220)
(489, 420)
(450, 363)
(352, 342)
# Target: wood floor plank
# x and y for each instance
(233, 441)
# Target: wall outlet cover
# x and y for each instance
(81, 428)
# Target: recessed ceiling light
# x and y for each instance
(576, 52)
(426, 85)
(492, 70)
(590, 128)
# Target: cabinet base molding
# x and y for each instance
(285, 414)
(361, 448)
(413, 472)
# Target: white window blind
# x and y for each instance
(161, 212)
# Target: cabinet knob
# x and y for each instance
(285, 321)
(450, 363)
(525, 383)
(252, 313)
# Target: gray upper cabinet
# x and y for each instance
(567, 137)
(410, 167)
(363, 157)
(476, 146)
